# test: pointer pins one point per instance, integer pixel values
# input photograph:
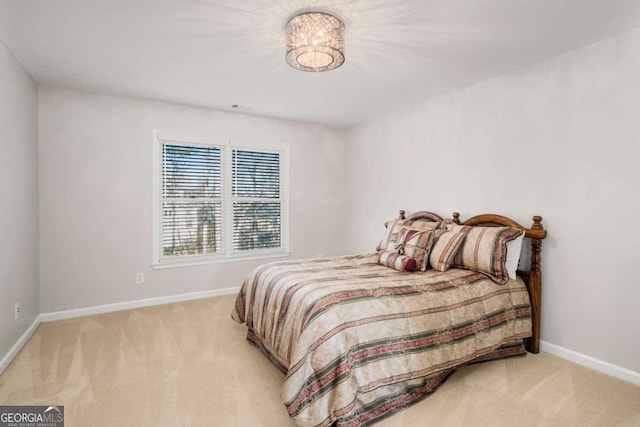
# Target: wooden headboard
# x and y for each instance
(426, 215)
(532, 277)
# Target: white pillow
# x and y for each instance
(514, 247)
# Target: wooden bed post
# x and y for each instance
(456, 217)
(402, 214)
(535, 282)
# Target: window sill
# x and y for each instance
(221, 260)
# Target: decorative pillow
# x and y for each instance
(396, 261)
(394, 228)
(514, 248)
(422, 223)
(445, 247)
(416, 243)
(449, 225)
(485, 250)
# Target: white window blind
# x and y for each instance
(256, 200)
(192, 200)
(217, 201)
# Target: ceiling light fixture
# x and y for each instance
(315, 42)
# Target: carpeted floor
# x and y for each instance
(188, 364)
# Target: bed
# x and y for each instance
(358, 340)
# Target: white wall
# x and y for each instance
(560, 139)
(95, 187)
(18, 200)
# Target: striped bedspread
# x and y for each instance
(358, 340)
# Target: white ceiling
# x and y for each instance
(215, 53)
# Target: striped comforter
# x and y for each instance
(358, 340)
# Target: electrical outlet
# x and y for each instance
(139, 278)
(16, 311)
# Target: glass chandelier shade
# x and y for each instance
(315, 42)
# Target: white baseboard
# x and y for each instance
(591, 362)
(13, 351)
(108, 308)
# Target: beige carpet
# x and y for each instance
(188, 364)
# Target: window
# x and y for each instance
(217, 200)
(256, 200)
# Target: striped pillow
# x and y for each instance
(394, 227)
(445, 247)
(448, 224)
(396, 261)
(421, 223)
(416, 243)
(485, 250)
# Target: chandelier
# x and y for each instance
(315, 42)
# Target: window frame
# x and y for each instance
(226, 145)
